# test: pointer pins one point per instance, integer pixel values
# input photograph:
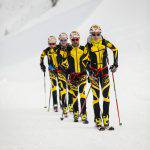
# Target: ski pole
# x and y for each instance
(61, 102)
(62, 107)
(116, 99)
(62, 115)
(49, 100)
(45, 90)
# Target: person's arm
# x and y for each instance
(88, 63)
(59, 58)
(44, 53)
(86, 59)
(68, 69)
(115, 55)
(42, 57)
(62, 62)
(114, 49)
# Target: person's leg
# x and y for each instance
(83, 97)
(62, 88)
(105, 85)
(96, 105)
(54, 89)
(70, 105)
(74, 93)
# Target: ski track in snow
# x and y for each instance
(24, 124)
(38, 129)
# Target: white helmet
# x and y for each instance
(95, 29)
(74, 34)
(63, 36)
(52, 39)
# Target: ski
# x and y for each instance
(103, 128)
(110, 128)
(55, 109)
(85, 122)
(63, 116)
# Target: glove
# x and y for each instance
(114, 67)
(43, 68)
(50, 67)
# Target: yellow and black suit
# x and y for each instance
(77, 61)
(99, 71)
(63, 74)
(52, 61)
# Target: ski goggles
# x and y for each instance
(52, 44)
(63, 40)
(96, 34)
(75, 40)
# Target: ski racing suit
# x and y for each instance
(63, 76)
(77, 61)
(99, 72)
(53, 64)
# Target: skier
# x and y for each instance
(64, 48)
(77, 60)
(51, 53)
(99, 73)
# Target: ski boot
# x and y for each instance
(98, 122)
(55, 108)
(84, 119)
(76, 116)
(106, 123)
(106, 120)
(70, 108)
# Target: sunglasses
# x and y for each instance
(75, 40)
(94, 34)
(52, 43)
(63, 40)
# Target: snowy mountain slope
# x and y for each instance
(14, 14)
(19, 15)
(21, 82)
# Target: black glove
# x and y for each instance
(114, 67)
(43, 68)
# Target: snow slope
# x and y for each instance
(126, 23)
(14, 14)
(19, 15)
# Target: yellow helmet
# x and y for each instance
(95, 29)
